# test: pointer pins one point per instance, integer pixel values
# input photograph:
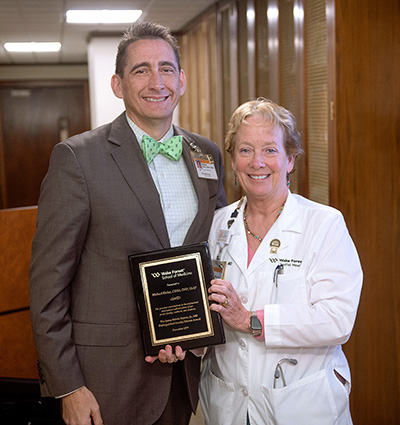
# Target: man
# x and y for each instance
(101, 201)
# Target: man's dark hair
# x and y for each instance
(144, 31)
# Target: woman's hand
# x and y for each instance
(167, 355)
(228, 304)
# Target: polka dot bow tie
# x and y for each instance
(171, 149)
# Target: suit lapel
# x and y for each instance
(129, 158)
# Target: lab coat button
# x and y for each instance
(242, 343)
(244, 299)
(245, 392)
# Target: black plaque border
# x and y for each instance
(138, 262)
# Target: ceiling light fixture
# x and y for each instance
(33, 46)
(104, 16)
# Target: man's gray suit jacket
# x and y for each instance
(98, 205)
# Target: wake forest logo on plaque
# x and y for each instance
(171, 289)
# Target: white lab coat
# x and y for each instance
(307, 317)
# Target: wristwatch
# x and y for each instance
(255, 324)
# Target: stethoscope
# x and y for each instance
(278, 369)
(279, 372)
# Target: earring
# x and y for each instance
(288, 180)
(235, 181)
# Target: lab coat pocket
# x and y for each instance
(216, 399)
(291, 288)
(315, 399)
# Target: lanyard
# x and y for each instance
(224, 236)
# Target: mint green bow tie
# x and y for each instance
(171, 149)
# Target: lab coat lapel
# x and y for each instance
(129, 158)
(237, 247)
(289, 221)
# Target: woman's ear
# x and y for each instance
(233, 163)
(290, 165)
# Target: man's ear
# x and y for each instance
(116, 86)
(182, 79)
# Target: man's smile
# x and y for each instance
(152, 99)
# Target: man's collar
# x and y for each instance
(139, 132)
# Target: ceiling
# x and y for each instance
(44, 20)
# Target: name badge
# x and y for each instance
(204, 165)
(219, 268)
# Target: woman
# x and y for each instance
(288, 290)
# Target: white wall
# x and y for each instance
(104, 106)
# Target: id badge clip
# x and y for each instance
(224, 237)
(204, 165)
(219, 268)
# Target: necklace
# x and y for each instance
(246, 226)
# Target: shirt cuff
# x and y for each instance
(65, 395)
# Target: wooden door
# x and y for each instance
(33, 118)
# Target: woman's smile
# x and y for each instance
(258, 177)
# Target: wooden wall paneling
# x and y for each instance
(17, 352)
(242, 54)
(203, 79)
(261, 49)
(230, 89)
(3, 185)
(206, 82)
(300, 102)
(273, 49)
(317, 100)
(193, 94)
(246, 50)
(331, 79)
(287, 56)
(214, 89)
(287, 71)
(233, 43)
(368, 192)
(219, 85)
(251, 49)
(183, 111)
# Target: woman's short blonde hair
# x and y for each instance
(273, 114)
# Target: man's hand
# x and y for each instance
(81, 408)
(167, 356)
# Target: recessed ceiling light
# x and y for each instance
(104, 16)
(33, 47)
